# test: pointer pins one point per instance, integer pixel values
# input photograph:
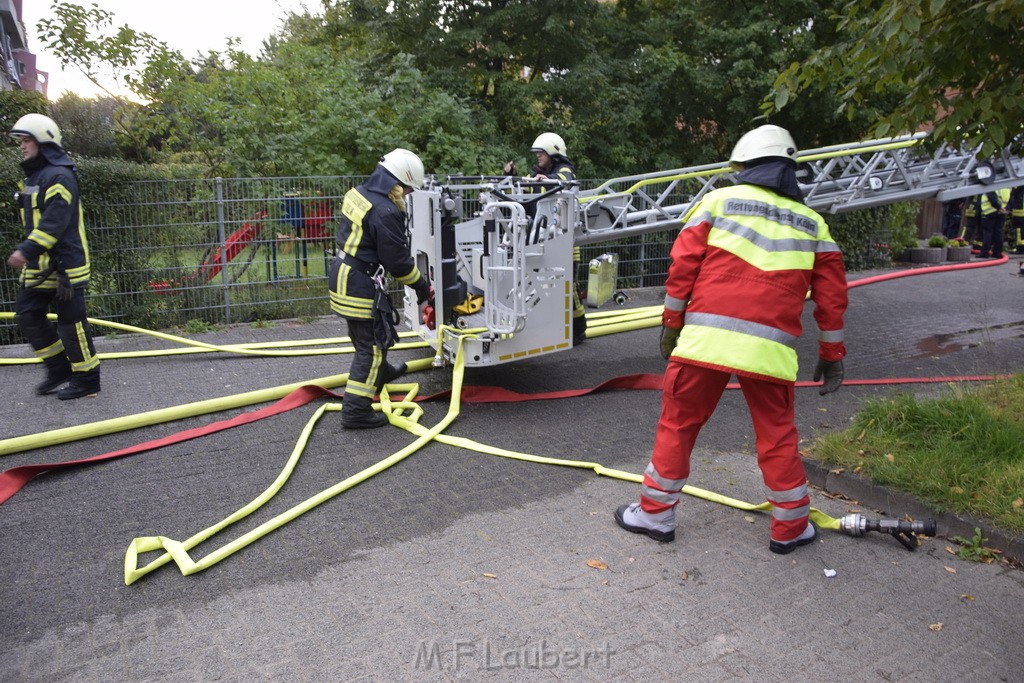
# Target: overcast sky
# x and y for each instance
(190, 26)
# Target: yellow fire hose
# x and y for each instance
(404, 414)
(193, 346)
(178, 550)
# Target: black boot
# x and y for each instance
(357, 413)
(58, 371)
(579, 330)
(82, 384)
(393, 372)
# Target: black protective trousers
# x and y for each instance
(992, 235)
(70, 337)
(369, 370)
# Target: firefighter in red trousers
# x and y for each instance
(741, 268)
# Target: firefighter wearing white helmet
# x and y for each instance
(552, 159)
(42, 128)
(553, 164)
(741, 266)
(372, 239)
(54, 262)
(405, 166)
(762, 143)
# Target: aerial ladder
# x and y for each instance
(499, 250)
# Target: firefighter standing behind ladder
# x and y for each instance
(741, 268)
(54, 262)
(372, 238)
(1016, 207)
(553, 164)
(993, 215)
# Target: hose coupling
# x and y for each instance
(903, 531)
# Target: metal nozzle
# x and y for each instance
(905, 532)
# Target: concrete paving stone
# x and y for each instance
(420, 535)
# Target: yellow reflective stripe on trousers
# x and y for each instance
(51, 350)
(88, 361)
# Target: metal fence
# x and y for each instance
(224, 251)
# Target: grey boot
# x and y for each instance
(661, 526)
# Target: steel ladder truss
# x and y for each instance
(834, 179)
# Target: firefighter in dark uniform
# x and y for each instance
(1017, 218)
(993, 214)
(553, 164)
(373, 239)
(54, 262)
(972, 220)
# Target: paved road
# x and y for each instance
(455, 565)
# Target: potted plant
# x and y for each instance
(901, 240)
(939, 242)
(933, 252)
(958, 249)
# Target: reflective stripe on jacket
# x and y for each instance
(1017, 202)
(741, 268)
(373, 231)
(1001, 197)
(51, 213)
(561, 169)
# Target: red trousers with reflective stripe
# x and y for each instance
(689, 397)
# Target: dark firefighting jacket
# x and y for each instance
(51, 212)
(372, 233)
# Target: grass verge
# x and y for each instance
(961, 453)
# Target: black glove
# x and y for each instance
(669, 337)
(64, 289)
(424, 291)
(833, 373)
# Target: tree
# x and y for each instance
(16, 103)
(954, 67)
(87, 125)
(633, 85)
(111, 58)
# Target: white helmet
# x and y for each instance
(405, 166)
(552, 143)
(764, 141)
(40, 128)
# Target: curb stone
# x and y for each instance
(897, 504)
